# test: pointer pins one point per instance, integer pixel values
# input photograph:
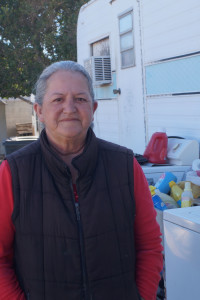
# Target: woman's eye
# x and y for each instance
(81, 99)
(57, 99)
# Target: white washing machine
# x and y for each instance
(182, 253)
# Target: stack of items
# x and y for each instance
(167, 193)
(170, 194)
(24, 129)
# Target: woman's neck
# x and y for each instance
(69, 151)
(67, 157)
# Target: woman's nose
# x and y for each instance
(69, 105)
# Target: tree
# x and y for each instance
(33, 34)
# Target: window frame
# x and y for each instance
(123, 33)
(107, 37)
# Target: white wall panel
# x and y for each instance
(106, 121)
(170, 28)
(178, 115)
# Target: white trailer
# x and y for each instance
(144, 57)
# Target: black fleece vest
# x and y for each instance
(74, 252)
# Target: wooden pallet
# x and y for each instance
(24, 129)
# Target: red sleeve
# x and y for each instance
(9, 286)
(149, 259)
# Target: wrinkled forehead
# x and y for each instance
(68, 76)
(64, 82)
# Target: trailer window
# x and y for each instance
(126, 40)
(101, 48)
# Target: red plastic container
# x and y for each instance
(156, 150)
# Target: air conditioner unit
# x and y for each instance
(99, 68)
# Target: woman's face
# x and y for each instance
(67, 109)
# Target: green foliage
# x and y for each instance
(34, 34)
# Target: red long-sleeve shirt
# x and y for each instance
(147, 238)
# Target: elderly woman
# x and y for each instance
(71, 224)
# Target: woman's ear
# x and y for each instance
(38, 109)
(95, 105)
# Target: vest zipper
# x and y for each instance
(28, 295)
(82, 250)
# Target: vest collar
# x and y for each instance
(85, 163)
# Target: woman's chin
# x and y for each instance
(72, 133)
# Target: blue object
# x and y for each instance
(158, 203)
(179, 203)
(163, 182)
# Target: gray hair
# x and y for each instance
(68, 65)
